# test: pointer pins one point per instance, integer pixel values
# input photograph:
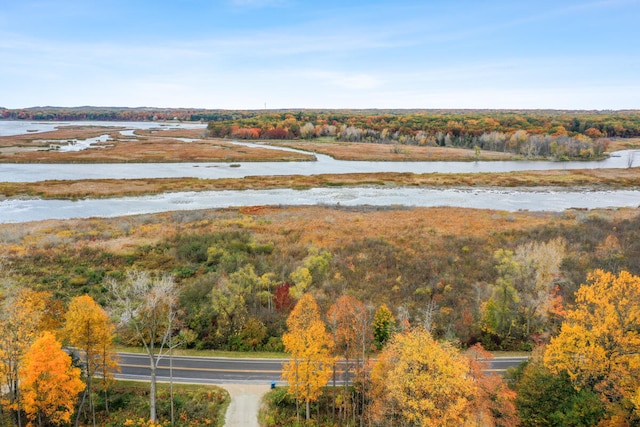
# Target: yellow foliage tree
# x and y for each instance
(418, 381)
(50, 385)
(89, 329)
(599, 342)
(310, 345)
(302, 279)
(312, 271)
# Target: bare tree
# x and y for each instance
(145, 307)
(429, 313)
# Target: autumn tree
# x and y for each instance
(347, 318)
(89, 329)
(256, 290)
(500, 311)
(252, 335)
(237, 295)
(598, 344)
(22, 318)
(312, 271)
(145, 308)
(307, 131)
(50, 384)
(282, 299)
(228, 302)
(539, 267)
(310, 345)
(348, 321)
(494, 402)
(610, 254)
(523, 295)
(383, 326)
(418, 381)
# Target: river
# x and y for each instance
(16, 210)
(19, 210)
(22, 127)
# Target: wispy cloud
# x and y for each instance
(47, 53)
(242, 53)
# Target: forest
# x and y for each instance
(586, 375)
(553, 134)
(530, 134)
(607, 123)
(504, 281)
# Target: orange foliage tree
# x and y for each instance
(310, 345)
(349, 324)
(50, 384)
(347, 318)
(494, 403)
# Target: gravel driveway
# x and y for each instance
(245, 403)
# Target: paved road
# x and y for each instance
(203, 370)
(245, 379)
(500, 364)
(216, 370)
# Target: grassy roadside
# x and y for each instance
(268, 355)
(105, 188)
(210, 353)
(128, 405)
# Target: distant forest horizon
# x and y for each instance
(421, 126)
(56, 112)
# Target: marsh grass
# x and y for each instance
(105, 188)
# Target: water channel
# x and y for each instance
(20, 210)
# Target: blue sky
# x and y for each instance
(245, 54)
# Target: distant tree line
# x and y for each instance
(530, 134)
(456, 123)
(119, 114)
(421, 124)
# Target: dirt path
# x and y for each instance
(245, 402)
